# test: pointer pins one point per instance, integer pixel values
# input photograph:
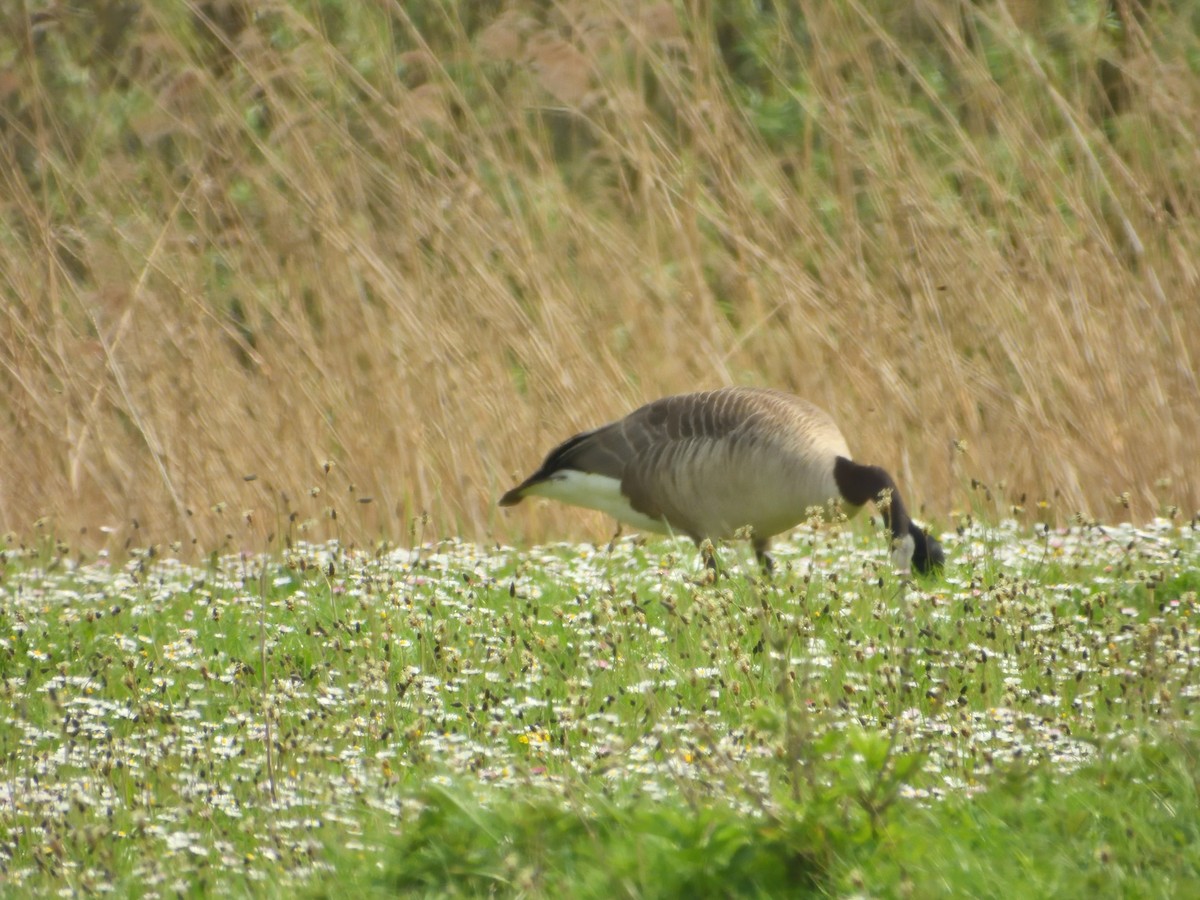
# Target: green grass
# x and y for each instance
(1128, 826)
(542, 847)
(594, 722)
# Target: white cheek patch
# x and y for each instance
(902, 553)
(598, 492)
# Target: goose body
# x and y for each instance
(709, 464)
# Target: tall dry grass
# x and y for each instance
(263, 263)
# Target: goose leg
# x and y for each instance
(764, 558)
(709, 554)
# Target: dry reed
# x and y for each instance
(381, 257)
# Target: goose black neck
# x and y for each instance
(861, 484)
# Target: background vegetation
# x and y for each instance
(272, 261)
(454, 720)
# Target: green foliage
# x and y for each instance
(608, 848)
(885, 57)
(1127, 826)
(599, 723)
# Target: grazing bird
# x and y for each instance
(709, 464)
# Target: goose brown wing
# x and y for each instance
(672, 435)
(648, 450)
(611, 449)
(649, 437)
(714, 443)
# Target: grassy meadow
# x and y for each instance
(423, 242)
(290, 292)
(608, 720)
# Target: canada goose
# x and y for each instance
(708, 464)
